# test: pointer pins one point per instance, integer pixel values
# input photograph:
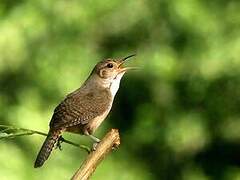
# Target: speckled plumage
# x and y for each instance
(83, 110)
(80, 108)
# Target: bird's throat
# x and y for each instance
(114, 86)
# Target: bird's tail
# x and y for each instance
(47, 148)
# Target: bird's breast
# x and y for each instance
(91, 127)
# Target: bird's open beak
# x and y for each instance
(121, 62)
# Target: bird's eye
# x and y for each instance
(109, 65)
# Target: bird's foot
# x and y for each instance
(94, 146)
(59, 142)
(96, 142)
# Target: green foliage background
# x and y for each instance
(179, 117)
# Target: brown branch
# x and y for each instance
(110, 141)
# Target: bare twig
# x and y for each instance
(110, 141)
(12, 132)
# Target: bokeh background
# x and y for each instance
(179, 116)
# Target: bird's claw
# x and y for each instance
(59, 141)
(94, 146)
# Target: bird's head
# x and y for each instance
(111, 69)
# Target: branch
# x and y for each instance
(110, 141)
(12, 132)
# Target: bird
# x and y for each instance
(83, 110)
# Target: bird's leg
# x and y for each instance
(88, 132)
(59, 141)
(96, 141)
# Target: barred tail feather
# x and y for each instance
(47, 148)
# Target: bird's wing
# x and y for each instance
(80, 108)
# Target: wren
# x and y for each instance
(83, 110)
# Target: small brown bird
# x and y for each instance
(83, 110)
